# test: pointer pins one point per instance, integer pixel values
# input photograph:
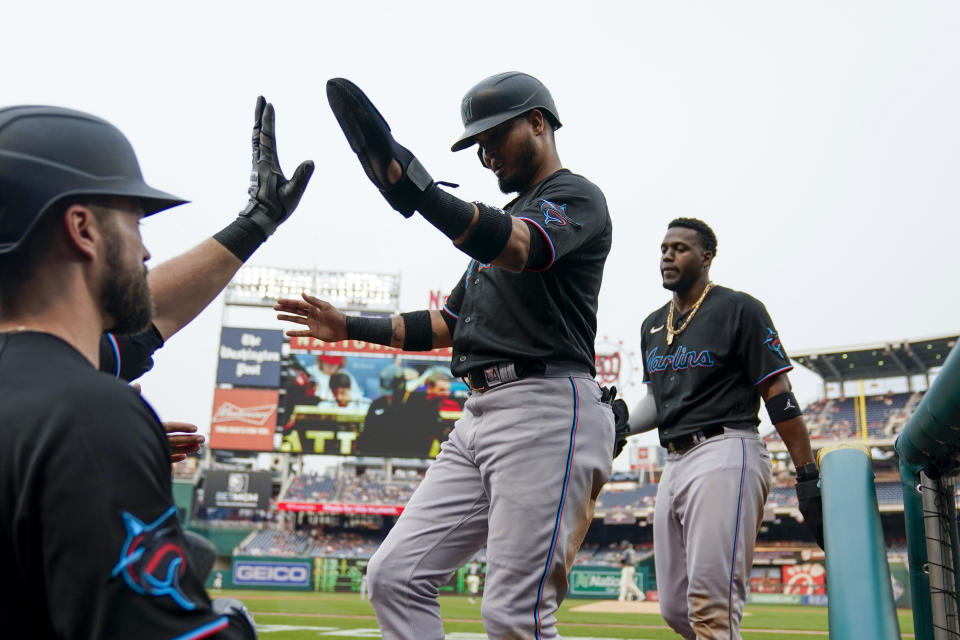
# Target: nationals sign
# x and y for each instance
(614, 364)
(804, 579)
(243, 419)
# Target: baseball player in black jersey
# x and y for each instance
(89, 537)
(183, 286)
(521, 469)
(709, 356)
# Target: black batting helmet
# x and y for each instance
(49, 153)
(496, 99)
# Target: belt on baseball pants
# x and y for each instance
(684, 443)
(485, 378)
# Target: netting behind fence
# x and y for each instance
(939, 497)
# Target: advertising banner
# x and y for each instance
(284, 574)
(237, 489)
(312, 345)
(804, 579)
(599, 582)
(774, 598)
(250, 357)
(244, 419)
(617, 515)
(346, 574)
(324, 507)
(346, 402)
(338, 574)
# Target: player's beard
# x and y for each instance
(126, 296)
(682, 284)
(525, 172)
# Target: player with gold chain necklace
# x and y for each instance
(696, 305)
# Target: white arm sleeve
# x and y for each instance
(643, 416)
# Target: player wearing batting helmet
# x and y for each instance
(89, 536)
(522, 468)
(710, 355)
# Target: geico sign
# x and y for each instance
(272, 573)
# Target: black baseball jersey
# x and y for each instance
(129, 356)
(709, 376)
(548, 315)
(89, 538)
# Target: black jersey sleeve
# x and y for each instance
(762, 355)
(569, 213)
(129, 356)
(115, 559)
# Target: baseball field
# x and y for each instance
(303, 616)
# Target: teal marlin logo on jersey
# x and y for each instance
(772, 342)
(555, 213)
(152, 560)
(475, 266)
(683, 359)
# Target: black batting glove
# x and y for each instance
(811, 505)
(621, 418)
(272, 197)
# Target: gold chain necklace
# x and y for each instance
(675, 332)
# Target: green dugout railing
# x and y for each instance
(928, 450)
(858, 576)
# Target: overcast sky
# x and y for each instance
(820, 140)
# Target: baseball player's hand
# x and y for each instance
(178, 433)
(621, 418)
(183, 438)
(321, 318)
(391, 167)
(811, 506)
(272, 197)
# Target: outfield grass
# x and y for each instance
(308, 616)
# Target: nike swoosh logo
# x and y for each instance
(656, 329)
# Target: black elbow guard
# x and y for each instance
(490, 235)
(541, 254)
(418, 333)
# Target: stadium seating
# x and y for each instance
(836, 418)
(368, 488)
(271, 542)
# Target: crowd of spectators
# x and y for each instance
(312, 487)
(837, 418)
(319, 542)
(369, 487)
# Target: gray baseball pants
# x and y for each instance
(708, 513)
(520, 473)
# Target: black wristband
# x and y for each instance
(375, 330)
(807, 471)
(489, 237)
(417, 333)
(782, 407)
(241, 238)
(446, 212)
